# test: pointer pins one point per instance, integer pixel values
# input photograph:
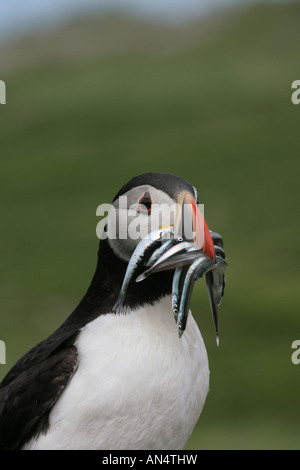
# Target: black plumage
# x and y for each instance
(170, 184)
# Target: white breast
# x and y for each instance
(138, 386)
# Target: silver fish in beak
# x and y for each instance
(201, 266)
(190, 259)
(177, 285)
(191, 251)
(178, 255)
(210, 262)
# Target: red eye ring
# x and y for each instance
(145, 203)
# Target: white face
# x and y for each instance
(135, 214)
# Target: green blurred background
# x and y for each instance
(101, 99)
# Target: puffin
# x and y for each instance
(115, 378)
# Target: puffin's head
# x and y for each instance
(152, 201)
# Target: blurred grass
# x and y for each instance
(217, 113)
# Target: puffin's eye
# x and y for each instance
(145, 203)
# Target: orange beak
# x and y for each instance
(191, 225)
